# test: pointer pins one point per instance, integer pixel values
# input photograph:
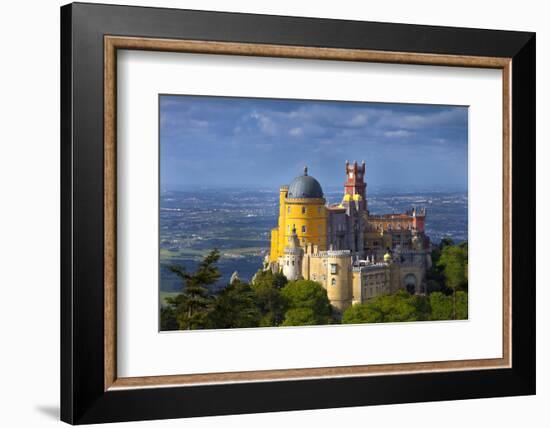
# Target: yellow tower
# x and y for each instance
(275, 235)
(301, 206)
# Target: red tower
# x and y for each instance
(355, 182)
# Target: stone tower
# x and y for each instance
(355, 185)
(292, 258)
(339, 279)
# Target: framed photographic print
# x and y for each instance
(316, 212)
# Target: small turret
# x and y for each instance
(292, 259)
(293, 241)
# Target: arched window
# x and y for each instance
(333, 281)
(303, 210)
(303, 229)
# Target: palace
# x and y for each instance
(353, 254)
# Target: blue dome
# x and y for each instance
(305, 186)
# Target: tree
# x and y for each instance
(362, 313)
(461, 305)
(453, 261)
(445, 242)
(266, 278)
(234, 307)
(434, 285)
(300, 316)
(435, 280)
(306, 294)
(191, 306)
(442, 306)
(168, 319)
(267, 290)
(464, 247)
(279, 280)
(397, 307)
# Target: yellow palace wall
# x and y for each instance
(308, 215)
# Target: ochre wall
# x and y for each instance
(340, 293)
(291, 215)
(273, 251)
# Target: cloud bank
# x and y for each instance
(218, 141)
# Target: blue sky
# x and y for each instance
(235, 142)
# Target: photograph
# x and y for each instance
(291, 212)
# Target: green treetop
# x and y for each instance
(454, 262)
(308, 303)
(442, 306)
(234, 307)
(267, 289)
(397, 307)
(192, 304)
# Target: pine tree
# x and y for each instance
(235, 307)
(192, 305)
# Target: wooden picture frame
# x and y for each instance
(91, 390)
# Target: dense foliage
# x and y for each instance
(190, 308)
(267, 292)
(270, 300)
(397, 307)
(234, 307)
(308, 303)
(442, 306)
(449, 275)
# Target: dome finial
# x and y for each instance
(305, 170)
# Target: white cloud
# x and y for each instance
(198, 123)
(400, 133)
(296, 132)
(359, 119)
(266, 124)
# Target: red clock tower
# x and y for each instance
(355, 183)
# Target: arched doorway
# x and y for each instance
(410, 283)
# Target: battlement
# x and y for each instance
(372, 266)
(355, 167)
(333, 253)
